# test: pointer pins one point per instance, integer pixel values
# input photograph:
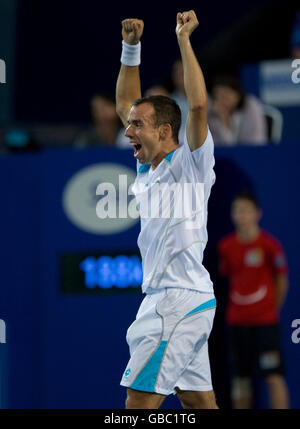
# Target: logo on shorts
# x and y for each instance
(127, 373)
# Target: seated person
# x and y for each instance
(233, 116)
(105, 126)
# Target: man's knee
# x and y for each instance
(197, 400)
(137, 399)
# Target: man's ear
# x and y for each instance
(165, 131)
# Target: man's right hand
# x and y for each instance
(132, 30)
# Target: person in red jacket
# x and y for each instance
(255, 263)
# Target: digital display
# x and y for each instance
(91, 273)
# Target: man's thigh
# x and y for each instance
(137, 399)
(197, 399)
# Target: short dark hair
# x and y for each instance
(231, 82)
(247, 195)
(166, 111)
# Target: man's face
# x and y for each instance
(244, 213)
(143, 134)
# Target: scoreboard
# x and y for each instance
(92, 273)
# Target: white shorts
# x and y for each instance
(168, 342)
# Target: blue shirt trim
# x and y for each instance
(144, 168)
(169, 156)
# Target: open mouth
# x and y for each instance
(137, 148)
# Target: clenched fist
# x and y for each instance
(186, 23)
(132, 30)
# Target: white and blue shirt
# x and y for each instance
(173, 232)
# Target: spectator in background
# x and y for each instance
(105, 126)
(255, 263)
(122, 141)
(295, 37)
(233, 116)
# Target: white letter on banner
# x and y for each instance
(2, 71)
(296, 333)
(296, 73)
(2, 331)
(106, 207)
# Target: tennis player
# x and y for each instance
(168, 340)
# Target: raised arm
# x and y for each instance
(128, 84)
(194, 84)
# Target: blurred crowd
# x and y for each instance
(235, 117)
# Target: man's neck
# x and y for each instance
(157, 160)
(248, 235)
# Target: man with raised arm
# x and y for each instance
(168, 340)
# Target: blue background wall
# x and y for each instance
(69, 351)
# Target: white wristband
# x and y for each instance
(131, 54)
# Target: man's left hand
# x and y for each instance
(186, 23)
